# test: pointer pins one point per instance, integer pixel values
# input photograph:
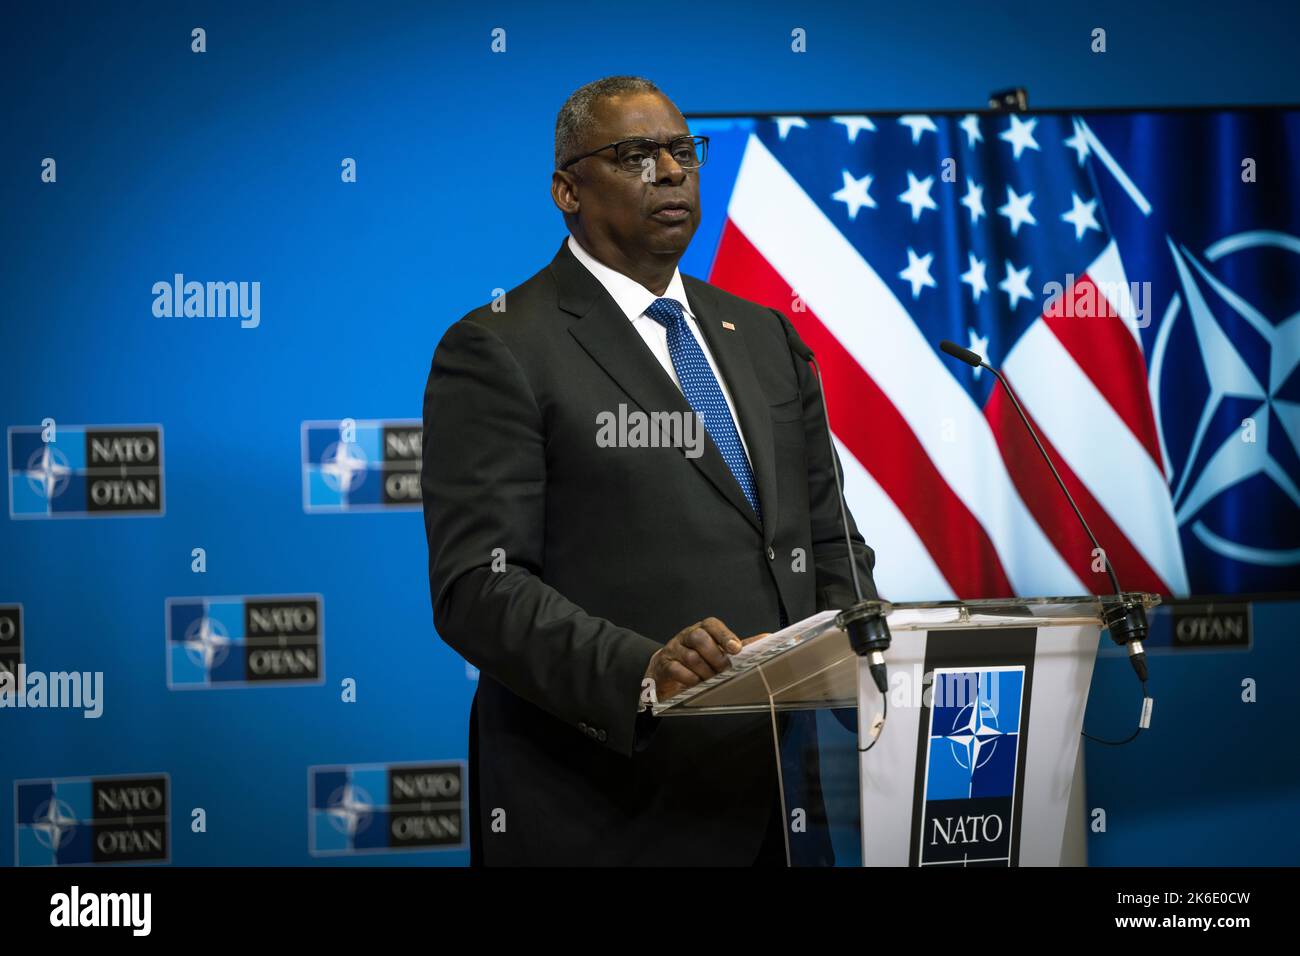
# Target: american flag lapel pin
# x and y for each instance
(728, 326)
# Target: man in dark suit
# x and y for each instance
(571, 569)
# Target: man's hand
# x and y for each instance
(696, 653)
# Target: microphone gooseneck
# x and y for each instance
(1125, 616)
(865, 621)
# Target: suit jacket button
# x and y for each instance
(582, 727)
(771, 555)
(601, 736)
(591, 732)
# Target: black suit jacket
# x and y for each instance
(558, 567)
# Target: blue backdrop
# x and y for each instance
(225, 166)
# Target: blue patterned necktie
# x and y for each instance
(704, 394)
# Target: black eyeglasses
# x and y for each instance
(688, 152)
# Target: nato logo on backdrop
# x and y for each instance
(83, 471)
(75, 821)
(351, 465)
(247, 641)
(369, 808)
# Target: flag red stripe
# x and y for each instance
(1033, 479)
(1105, 350)
(869, 425)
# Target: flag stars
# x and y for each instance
(1021, 135)
(974, 200)
(853, 125)
(918, 125)
(786, 123)
(1079, 143)
(918, 195)
(1016, 284)
(970, 124)
(1017, 210)
(1083, 216)
(854, 193)
(918, 272)
(975, 278)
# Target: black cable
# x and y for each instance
(884, 716)
(1120, 743)
(835, 473)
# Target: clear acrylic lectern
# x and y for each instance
(974, 761)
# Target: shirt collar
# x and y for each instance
(631, 296)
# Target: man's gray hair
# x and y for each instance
(575, 119)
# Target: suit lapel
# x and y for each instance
(605, 333)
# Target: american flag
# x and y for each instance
(880, 237)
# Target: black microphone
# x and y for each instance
(865, 621)
(1126, 619)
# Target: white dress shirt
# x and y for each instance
(634, 298)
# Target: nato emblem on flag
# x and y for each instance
(244, 641)
(82, 471)
(971, 768)
(75, 821)
(1213, 224)
(351, 465)
(367, 808)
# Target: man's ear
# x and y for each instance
(564, 192)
